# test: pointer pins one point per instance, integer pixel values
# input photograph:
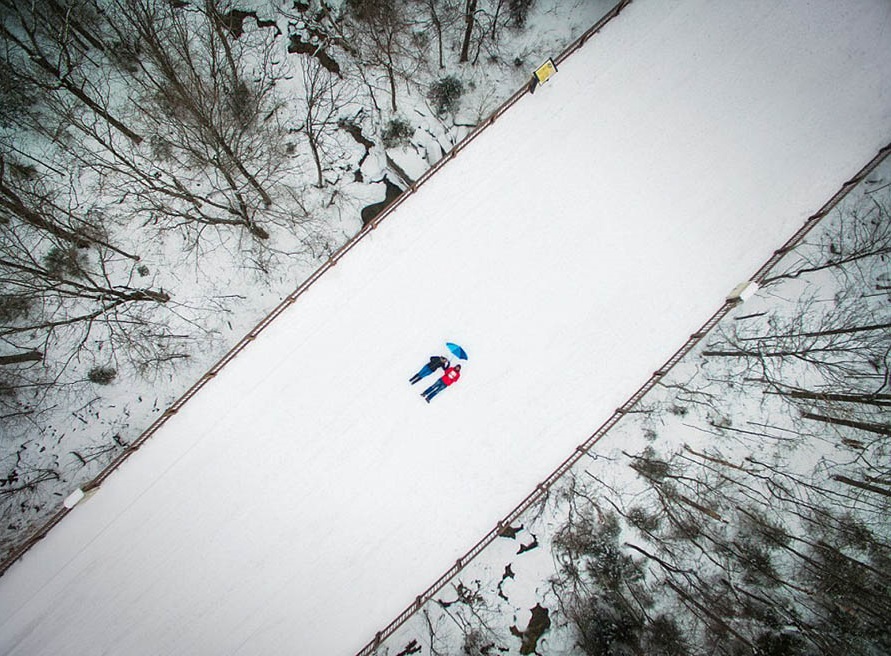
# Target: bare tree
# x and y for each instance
(24, 197)
(382, 36)
(847, 344)
(324, 97)
(442, 15)
(44, 50)
(58, 270)
(484, 21)
(858, 238)
(208, 105)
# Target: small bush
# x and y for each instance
(161, 148)
(102, 375)
(13, 307)
(61, 261)
(758, 569)
(589, 545)
(477, 643)
(772, 643)
(721, 421)
(243, 103)
(397, 133)
(373, 11)
(686, 529)
(642, 519)
(604, 627)
(649, 466)
(445, 94)
(678, 410)
(663, 637)
(519, 11)
(142, 270)
(755, 523)
(853, 533)
(125, 55)
(22, 171)
(16, 96)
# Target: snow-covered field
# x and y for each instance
(307, 495)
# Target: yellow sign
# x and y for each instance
(544, 72)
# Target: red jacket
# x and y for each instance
(451, 376)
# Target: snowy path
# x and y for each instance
(306, 495)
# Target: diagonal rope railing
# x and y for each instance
(542, 489)
(289, 300)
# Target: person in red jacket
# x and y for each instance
(451, 375)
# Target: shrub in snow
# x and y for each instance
(445, 95)
(13, 307)
(662, 636)
(649, 466)
(645, 521)
(397, 133)
(61, 261)
(368, 10)
(478, 642)
(588, 547)
(102, 375)
(15, 169)
(756, 563)
(678, 410)
(778, 643)
(17, 97)
(242, 102)
(161, 148)
(605, 628)
(519, 11)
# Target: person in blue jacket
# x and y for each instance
(436, 362)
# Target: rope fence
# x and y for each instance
(543, 488)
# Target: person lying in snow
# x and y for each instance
(451, 375)
(435, 363)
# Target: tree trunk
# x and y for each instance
(65, 14)
(823, 333)
(470, 19)
(27, 356)
(391, 76)
(438, 27)
(313, 147)
(880, 400)
(495, 20)
(881, 429)
(862, 486)
(213, 16)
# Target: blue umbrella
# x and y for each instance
(459, 352)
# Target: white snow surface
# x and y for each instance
(306, 495)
